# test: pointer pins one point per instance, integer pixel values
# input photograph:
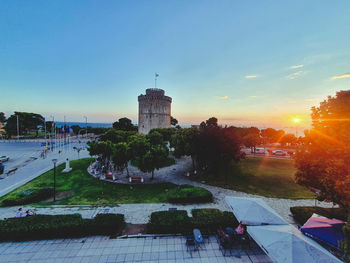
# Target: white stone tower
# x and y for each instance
(154, 110)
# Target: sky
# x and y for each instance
(248, 63)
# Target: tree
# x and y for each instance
(165, 132)
(26, 122)
(173, 121)
(184, 143)
(2, 117)
(251, 140)
(116, 136)
(289, 139)
(323, 161)
(124, 124)
(271, 135)
(153, 159)
(121, 156)
(103, 150)
(155, 138)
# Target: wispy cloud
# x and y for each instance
(253, 96)
(224, 97)
(295, 75)
(342, 76)
(251, 76)
(296, 66)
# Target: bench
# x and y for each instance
(12, 171)
(136, 180)
(110, 176)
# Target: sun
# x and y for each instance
(296, 120)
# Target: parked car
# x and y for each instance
(260, 151)
(279, 153)
(4, 158)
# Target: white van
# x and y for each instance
(260, 151)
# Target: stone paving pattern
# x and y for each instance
(101, 249)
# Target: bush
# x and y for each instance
(59, 226)
(170, 222)
(209, 220)
(185, 194)
(29, 196)
(302, 213)
(177, 221)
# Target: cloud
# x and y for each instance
(224, 97)
(251, 76)
(296, 66)
(295, 75)
(253, 96)
(290, 101)
(342, 76)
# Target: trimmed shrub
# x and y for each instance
(302, 213)
(177, 221)
(208, 220)
(59, 226)
(29, 196)
(185, 194)
(170, 222)
(104, 224)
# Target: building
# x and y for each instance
(154, 110)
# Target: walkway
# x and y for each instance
(99, 249)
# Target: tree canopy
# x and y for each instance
(323, 161)
(124, 124)
(26, 121)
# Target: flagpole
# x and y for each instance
(155, 81)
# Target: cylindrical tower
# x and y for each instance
(154, 110)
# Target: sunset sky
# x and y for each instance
(259, 63)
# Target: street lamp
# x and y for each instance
(85, 126)
(54, 179)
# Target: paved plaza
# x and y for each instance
(100, 249)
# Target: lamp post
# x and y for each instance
(54, 179)
(85, 126)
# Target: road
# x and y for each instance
(26, 157)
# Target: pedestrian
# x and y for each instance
(19, 213)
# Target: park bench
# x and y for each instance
(111, 176)
(12, 171)
(136, 179)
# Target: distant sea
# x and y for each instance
(83, 124)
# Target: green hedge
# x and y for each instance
(178, 222)
(28, 196)
(59, 226)
(302, 213)
(169, 222)
(209, 220)
(185, 194)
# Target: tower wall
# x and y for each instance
(154, 110)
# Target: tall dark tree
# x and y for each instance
(27, 122)
(2, 117)
(121, 156)
(323, 161)
(271, 135)
(173, 121)
(184, 143)
(124, 124)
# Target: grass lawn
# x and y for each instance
(267, 177)
(87, 190)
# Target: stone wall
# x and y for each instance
(154, 110)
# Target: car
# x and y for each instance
(4, 158)
(279, 153)
(260, 151)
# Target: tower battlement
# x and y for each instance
(152, 94)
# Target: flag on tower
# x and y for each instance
(156, 74)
